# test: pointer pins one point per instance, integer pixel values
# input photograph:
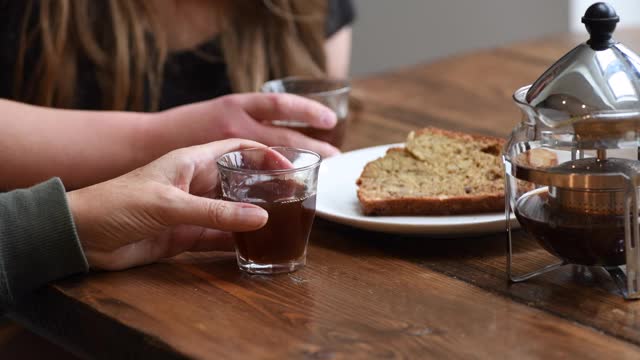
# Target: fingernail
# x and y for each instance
(253, 216)
(332, 151)
(329, 118)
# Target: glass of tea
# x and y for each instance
(282, 181)
(333, 93)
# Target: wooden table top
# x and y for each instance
(365, 294)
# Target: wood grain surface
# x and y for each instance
(19, 343)
(363, 294)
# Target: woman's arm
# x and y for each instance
(87, 147)
(81, 147)
(337, 48)
(338, 53)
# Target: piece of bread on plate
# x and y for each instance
(439, 172)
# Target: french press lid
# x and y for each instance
(601, 76)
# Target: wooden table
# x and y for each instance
(364, 294)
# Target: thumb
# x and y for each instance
(218, 214)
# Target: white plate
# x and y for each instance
(337, 201)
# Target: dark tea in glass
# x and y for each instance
(282, 181)
(284, 237)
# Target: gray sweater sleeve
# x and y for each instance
(38, 240)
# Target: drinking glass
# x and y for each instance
(333, 93)
(283, 181)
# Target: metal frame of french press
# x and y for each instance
(627, 279)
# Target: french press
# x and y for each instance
(572, 169)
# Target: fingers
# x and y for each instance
(184, 238)
(215, 214)
(268, 159)
(287, 137)
(201, 176)
(130, 255)
(273, 160)
(269, 107)
(211, 152)
(196, 238)
(213, 240)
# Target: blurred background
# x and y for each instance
(389, 34)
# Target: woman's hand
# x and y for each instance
(161, 210)
(244, 116)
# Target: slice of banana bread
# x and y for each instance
(439, 172)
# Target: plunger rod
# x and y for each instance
(601, 154)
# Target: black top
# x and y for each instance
(188, 76)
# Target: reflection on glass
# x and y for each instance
(630, 56)
(605, 58)
(622, 87)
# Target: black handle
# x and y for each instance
(600, 20)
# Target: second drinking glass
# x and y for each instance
(331, 92)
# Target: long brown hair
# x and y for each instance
(127, 47)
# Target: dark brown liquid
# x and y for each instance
(333, 136)
(575, 237)
(284, 237)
